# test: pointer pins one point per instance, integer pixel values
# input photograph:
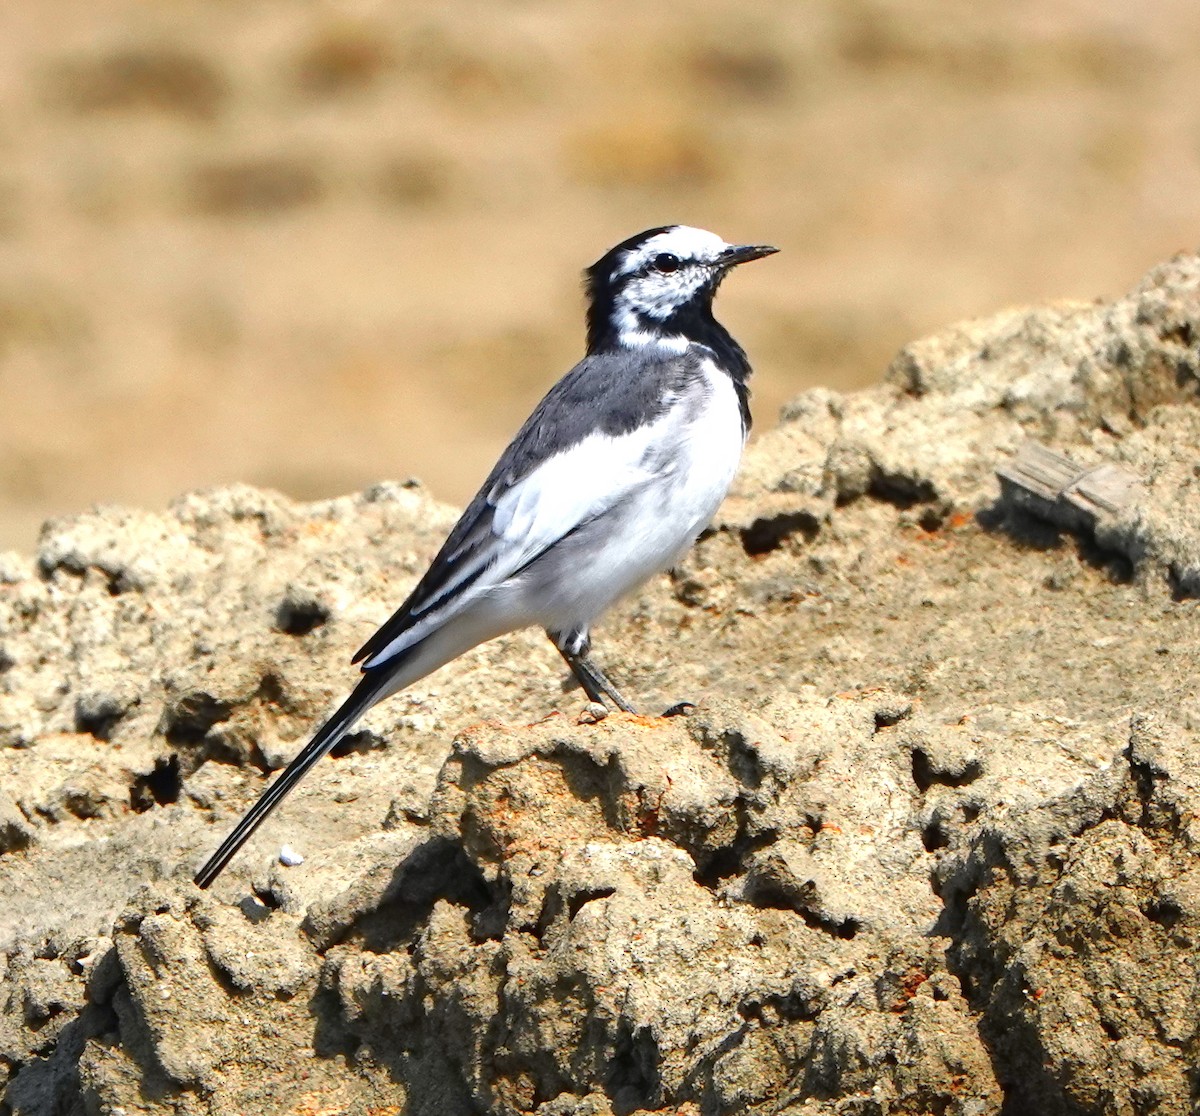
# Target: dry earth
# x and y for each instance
(927, 844)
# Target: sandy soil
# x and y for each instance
(926, 844)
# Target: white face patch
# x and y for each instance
(680, 240)
(655, 293)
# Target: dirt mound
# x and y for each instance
(925, 845)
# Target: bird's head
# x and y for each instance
(658, 286)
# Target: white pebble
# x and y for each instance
(593, 713)
(289, 858)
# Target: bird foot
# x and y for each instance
(680, 709)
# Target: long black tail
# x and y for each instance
(364, 696)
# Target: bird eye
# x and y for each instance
(666, 262)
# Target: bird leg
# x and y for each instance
(574, 648)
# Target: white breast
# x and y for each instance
(712, 450)
(676, 480)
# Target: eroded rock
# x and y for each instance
(923, 844)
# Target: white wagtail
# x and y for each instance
(610, 480)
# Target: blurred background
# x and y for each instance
(311, 245)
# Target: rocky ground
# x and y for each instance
(925, 846)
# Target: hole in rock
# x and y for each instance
(934, 837)
(712, 868)
(769, 533)
(791, 1007)
(931, 519)
(159, 787)
(580, 899)
(769, 896)
(889, 718)
(267, 898)
(298, 617)
(925, 775)
(1180, 333)
(900, 491)
(1166, 912)
(634, 1079)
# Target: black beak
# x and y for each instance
(744, 253)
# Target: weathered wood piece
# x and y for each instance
(1053, 487)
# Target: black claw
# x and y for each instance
(680, 709)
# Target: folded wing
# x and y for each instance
(538, 494)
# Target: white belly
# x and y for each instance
(654, 525)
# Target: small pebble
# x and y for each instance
(592, 713)
(289, 858)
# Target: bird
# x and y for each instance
(610, 481)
